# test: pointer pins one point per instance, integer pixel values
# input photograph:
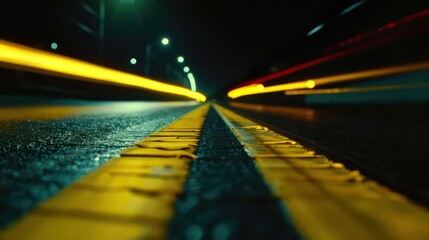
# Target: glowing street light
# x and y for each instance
(180, 59)
(192, 82)
(165, 41)
(54, 46)
(186, 69)
(133, 61)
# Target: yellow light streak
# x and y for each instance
(246, 90)
(356, 89)
(54, 64)
(311, 83)
(259, 89)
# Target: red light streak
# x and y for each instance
(378, 30)
(338, 54)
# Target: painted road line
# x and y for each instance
(130, 197)
(225, 196)
(325, 199)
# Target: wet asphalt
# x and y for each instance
(225, 196)
(388, 143)
(40, 157)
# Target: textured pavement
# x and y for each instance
(225, 196)
(386, 143)
(229, 192)
(39, 158)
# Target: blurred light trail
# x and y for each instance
(316, 29)
(259, 89)
(336, 55)
(192, 82)
(311, 83)
(294, 69)
(386, 27)
(356, 89)
(17, 56)
(300, 67)
(371, 73)
(352, 7)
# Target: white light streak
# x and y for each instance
(316, 29)
(192, 82)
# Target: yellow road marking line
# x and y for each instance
(324, 199)
(130, 197)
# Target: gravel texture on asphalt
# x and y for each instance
(39, 158)
(387, 143)
(225, 196)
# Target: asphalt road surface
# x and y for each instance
(45, 145)
(387, 143)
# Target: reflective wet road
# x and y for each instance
(387, 143)
(235, 187)
(46, 145)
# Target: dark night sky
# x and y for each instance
(221, 40)
(226, 38)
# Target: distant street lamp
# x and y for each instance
(180, 59)
(54, 46)
(165, 41)
(133, 61)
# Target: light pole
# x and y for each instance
(147, 63)
(100, 15)
(165, 41)
(102, 27)
(180, 60)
